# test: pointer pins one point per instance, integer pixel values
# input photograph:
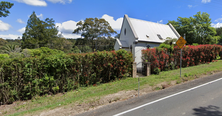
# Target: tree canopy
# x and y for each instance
(219, 33)
(4, 6)
(197, 29)
(94, 28)
(39, 33)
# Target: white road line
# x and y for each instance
(166, 97)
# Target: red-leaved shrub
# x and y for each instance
(191, 56)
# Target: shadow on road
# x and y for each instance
(207, 111)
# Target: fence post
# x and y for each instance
(134, 70)
(148, 69)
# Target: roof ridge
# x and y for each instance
(148, 21)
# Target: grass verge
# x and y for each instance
(94, 93)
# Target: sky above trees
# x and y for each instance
(67, 13)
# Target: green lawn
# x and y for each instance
(84, 94)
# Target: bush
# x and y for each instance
(195, 44)
(23, 78)
(192, 55)
(44, 51)
(4, 56)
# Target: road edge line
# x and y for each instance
(167, 97)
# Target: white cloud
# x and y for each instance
(40, 16)
(205, 1)
(218, 25)
(33, 2)
(60, 1)
(42, 2)
(4, 26)
(218, 20)
(115, 24)
(10, 36)
(190, 6)
(22, 30)
(20, 21)
(161, 21)
(74, 36)
(66, 28)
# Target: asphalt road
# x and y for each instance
(202, 97)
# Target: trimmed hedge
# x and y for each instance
(164, 59)
(27, 77)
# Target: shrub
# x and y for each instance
(23, 78)
(45, 51)
(4, 56)
(191, 56)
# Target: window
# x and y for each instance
(125, 31)
(159, 36)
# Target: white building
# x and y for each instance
(136, 35)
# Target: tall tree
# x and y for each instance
(197, 28)
(93, 28)
(39, 33)
(4, 6)
(61, 44)
(219, 33)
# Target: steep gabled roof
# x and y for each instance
(151, 32)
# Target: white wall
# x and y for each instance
(116, 46)
(138, 52)
(129, 37)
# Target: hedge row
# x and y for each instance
(164, 59)
(27, 77)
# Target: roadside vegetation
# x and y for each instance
(92, 94)
(43, 70)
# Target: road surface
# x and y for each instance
(202, 97)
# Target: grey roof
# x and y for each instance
(122, 43)
(148, 31)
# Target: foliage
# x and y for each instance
(191, 56)
(195, 44)
(3, 42)
(4, 6)
(92, 28)
(75, 49)
(9, 48)
(16, 55)
(44, 51)
(103, 43)
(85, 49)
(24, 78)
(14, 42)
(197, 29)
(39, 33)
(4, 56)
(219, 33)
(170, 41)
(61, 44)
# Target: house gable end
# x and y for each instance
(127, 32)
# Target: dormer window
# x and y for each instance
(125, 31)
(159, 36)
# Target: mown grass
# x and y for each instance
(84, 94)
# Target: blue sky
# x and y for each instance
(67, 13)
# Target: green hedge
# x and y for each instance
(27, 77)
